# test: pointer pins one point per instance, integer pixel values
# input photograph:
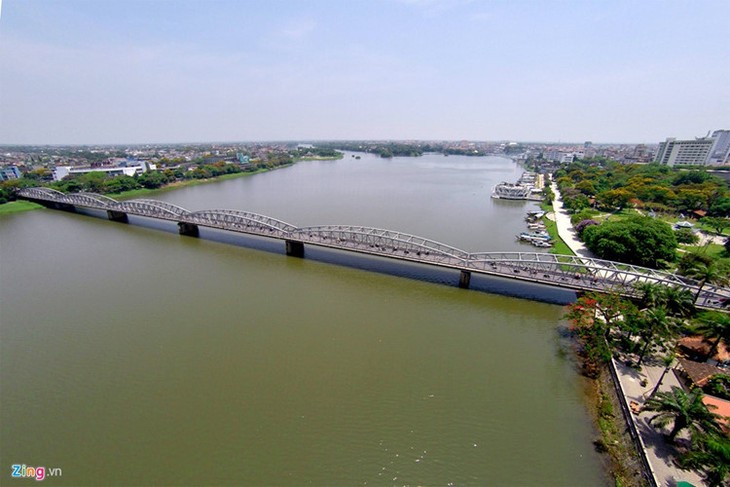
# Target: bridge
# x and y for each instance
(564, 271)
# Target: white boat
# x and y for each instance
(509, 191)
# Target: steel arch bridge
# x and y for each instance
(565, 271)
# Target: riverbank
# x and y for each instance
(142, 192)
(20, 205)
(17, 207)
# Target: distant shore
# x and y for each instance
(19, 206)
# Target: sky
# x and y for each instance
(169, 71)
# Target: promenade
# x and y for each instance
(565, 228)
(656, 451)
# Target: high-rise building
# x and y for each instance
(675, 152)
(720, 152)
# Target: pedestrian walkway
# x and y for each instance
(565, 228)
(659, 453)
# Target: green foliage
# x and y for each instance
(585, 214)
(691, 260)
(593, 315)
(704, 269)
(686, 236)
(716, 223)
(683, 409)
(691, 177)
(614, 198)
(635, 240)
(720, 207)
(710, 453)
(715, 326)
(719, 386)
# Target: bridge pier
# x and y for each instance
(188, 229)
(117, 216)
(464, 279)
(294, 248)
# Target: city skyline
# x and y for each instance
(139, 72)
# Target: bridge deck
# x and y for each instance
(565, 271)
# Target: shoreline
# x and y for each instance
(19, 206)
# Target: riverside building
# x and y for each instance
(705, 151)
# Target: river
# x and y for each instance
(130, 355)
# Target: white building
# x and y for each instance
(705, 151)
(720, 152)
(673, 152)
(61, 172)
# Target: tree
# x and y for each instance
(714, 273)
(711, 454)
(592, 333)
(685, 410)
(721, 207)
(638, 240)
(586, 187)
(677, 300)
(576, 203)
(718, 385)
(654, 326)
(686, 236)
(650, 293)
(615, 198)
(714, 325)
(716, 223)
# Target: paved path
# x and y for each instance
(658, 452)
(565, 228)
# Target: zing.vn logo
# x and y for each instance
(37, 473)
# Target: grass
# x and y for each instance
(716, 251)
(17, 207)
(559, 246)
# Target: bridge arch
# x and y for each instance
(152, 208)
(92, 199)
(43, 193)
(382, 242)
(236, 220)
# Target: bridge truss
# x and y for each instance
(566, 271)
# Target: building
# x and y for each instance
(61, 172)
(673, 152)
(9, 172)
(720, 152)
(704, 151)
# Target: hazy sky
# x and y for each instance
(133, 71)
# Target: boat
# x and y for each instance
(541, 234)
(509, 191)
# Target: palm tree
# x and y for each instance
(714, 324)
(654, 324)
(668, 361)
(650, 293)
(686, 410)
(678, 300)
(711, 454)
(707, 272)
